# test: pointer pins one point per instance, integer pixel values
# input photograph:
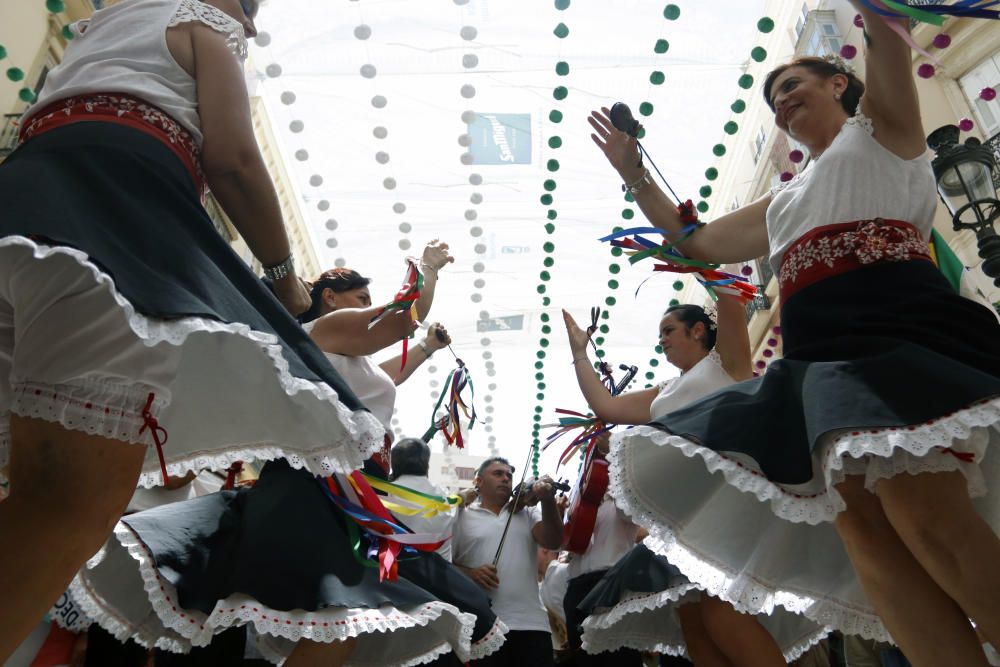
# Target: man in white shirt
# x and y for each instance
(512, 584)
(411, 459)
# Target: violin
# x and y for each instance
(525, 494)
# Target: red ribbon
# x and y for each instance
(157, 431)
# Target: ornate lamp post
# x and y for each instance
(964, 173)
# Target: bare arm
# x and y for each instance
(732, 339)
(231, 159)
(434, 259)
(890, 98)
(628, 408)
(345, 331)
(417, 356)
(735, 237)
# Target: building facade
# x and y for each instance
(758, 153)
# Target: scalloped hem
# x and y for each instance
(939, 445)
(182, 629)
(600, 633)
(491, 642)
(362, 435)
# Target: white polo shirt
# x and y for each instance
(474, 543)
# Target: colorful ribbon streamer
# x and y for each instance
(419, 504)
(591, 428)
(368, 518)
(451, 426)
(670, 259)
(405, 300)
(934, 14)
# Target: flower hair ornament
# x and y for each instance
(712, 313)
(839, 63)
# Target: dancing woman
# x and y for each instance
(640, 601)
(872, 438)
(125, 318)
(280, 556)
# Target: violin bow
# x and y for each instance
(513, 507)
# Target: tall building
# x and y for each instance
(33, 41)
(758, 153)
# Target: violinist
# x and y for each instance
(510, 581)
(613, 536)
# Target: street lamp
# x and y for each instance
(964, 174)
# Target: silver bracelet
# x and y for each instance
(281, 269)
(583, 358)
(427, 267)
(636, 185)
(427, 351)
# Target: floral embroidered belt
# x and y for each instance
(834, 249)
(123, 110)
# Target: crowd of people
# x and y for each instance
(832, 511)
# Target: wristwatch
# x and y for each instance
(281, 269)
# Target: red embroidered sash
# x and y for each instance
(124, 110)
(834, 249)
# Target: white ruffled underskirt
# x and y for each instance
(145, 608)
(258, 411)
(762, 546)
(649, 622)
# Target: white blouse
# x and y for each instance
(856, 178)
(123, 49)
(705, 377)
(372, 385)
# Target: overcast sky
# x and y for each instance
(423, 75)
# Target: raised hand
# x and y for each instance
(621, 150)
(436, 255)
(437, 337)
(577, 337)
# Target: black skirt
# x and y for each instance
(124, 208)
(278, 556)
(886, 371)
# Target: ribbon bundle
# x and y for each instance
(405, 300)
(451, 424)
(591, 428)
(670, 259)
(410, 501)
(377, 540)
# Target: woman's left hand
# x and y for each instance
(436, 255)
(437, 337)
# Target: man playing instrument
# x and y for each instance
(495, 544)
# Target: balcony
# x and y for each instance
(994, 144)
(759, 302)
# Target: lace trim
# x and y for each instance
(600, 633)
(194, 628)
(362, 429)
(67, 614)
(860, 120)
(939, 445)
(920, 448)
(491, 642)
(100, 407)
(193, 10)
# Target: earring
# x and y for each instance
(836, 96)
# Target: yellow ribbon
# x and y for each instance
(426, 505)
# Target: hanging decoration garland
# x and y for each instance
(16, 74)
